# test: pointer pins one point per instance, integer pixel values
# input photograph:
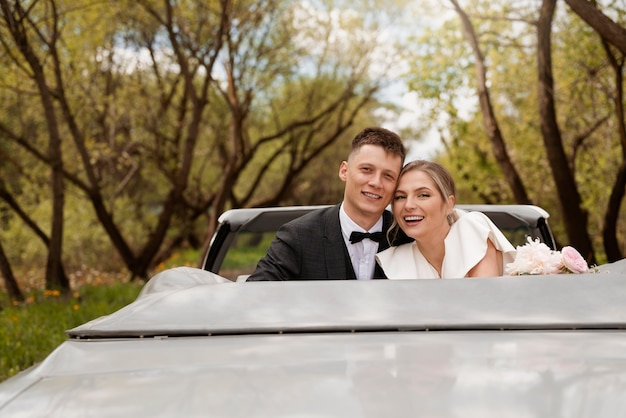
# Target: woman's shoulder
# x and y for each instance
(478, 225)
(473, 221)
(466, 217)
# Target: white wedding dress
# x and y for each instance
(465, 246)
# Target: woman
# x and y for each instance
(449, 243)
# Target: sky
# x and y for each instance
(416, 16)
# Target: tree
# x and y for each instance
(574, 217)
(490, 121)
(610, 33)
(577, 96)
(607, 28)
(611, 217)
(10, 283)
(22, 28)
(183, 109)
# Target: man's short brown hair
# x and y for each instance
(390, 141)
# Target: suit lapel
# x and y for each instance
(384, 244)
(338, 262)
(387, 221)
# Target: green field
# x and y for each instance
(31, 330)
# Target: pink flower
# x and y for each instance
(573, 261)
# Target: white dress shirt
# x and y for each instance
(361, 253)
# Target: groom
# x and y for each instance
(340, 242)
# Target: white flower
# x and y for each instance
(535, 257)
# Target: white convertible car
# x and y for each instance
(197, 344)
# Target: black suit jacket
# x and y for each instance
(311, 247)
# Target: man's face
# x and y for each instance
(370, 175)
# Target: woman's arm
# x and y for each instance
(490, 265)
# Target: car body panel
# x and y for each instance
(513, 302)
(399, 374)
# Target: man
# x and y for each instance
(325, 244)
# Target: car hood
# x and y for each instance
(401, 374)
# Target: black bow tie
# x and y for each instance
(360, 236)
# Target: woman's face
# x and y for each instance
(419, 209)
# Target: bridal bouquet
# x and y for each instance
(535, 257)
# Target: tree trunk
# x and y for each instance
(16, 20)
(489, 118)
(608, 29)
(611, 216)
(574, 217)
(10, 283)
(54, 280)
(30, 223)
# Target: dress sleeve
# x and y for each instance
(466, 244)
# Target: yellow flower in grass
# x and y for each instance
(76, 307)
(52, 292)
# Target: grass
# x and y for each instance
(30, 331)
(246, 252)
(186, 257)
